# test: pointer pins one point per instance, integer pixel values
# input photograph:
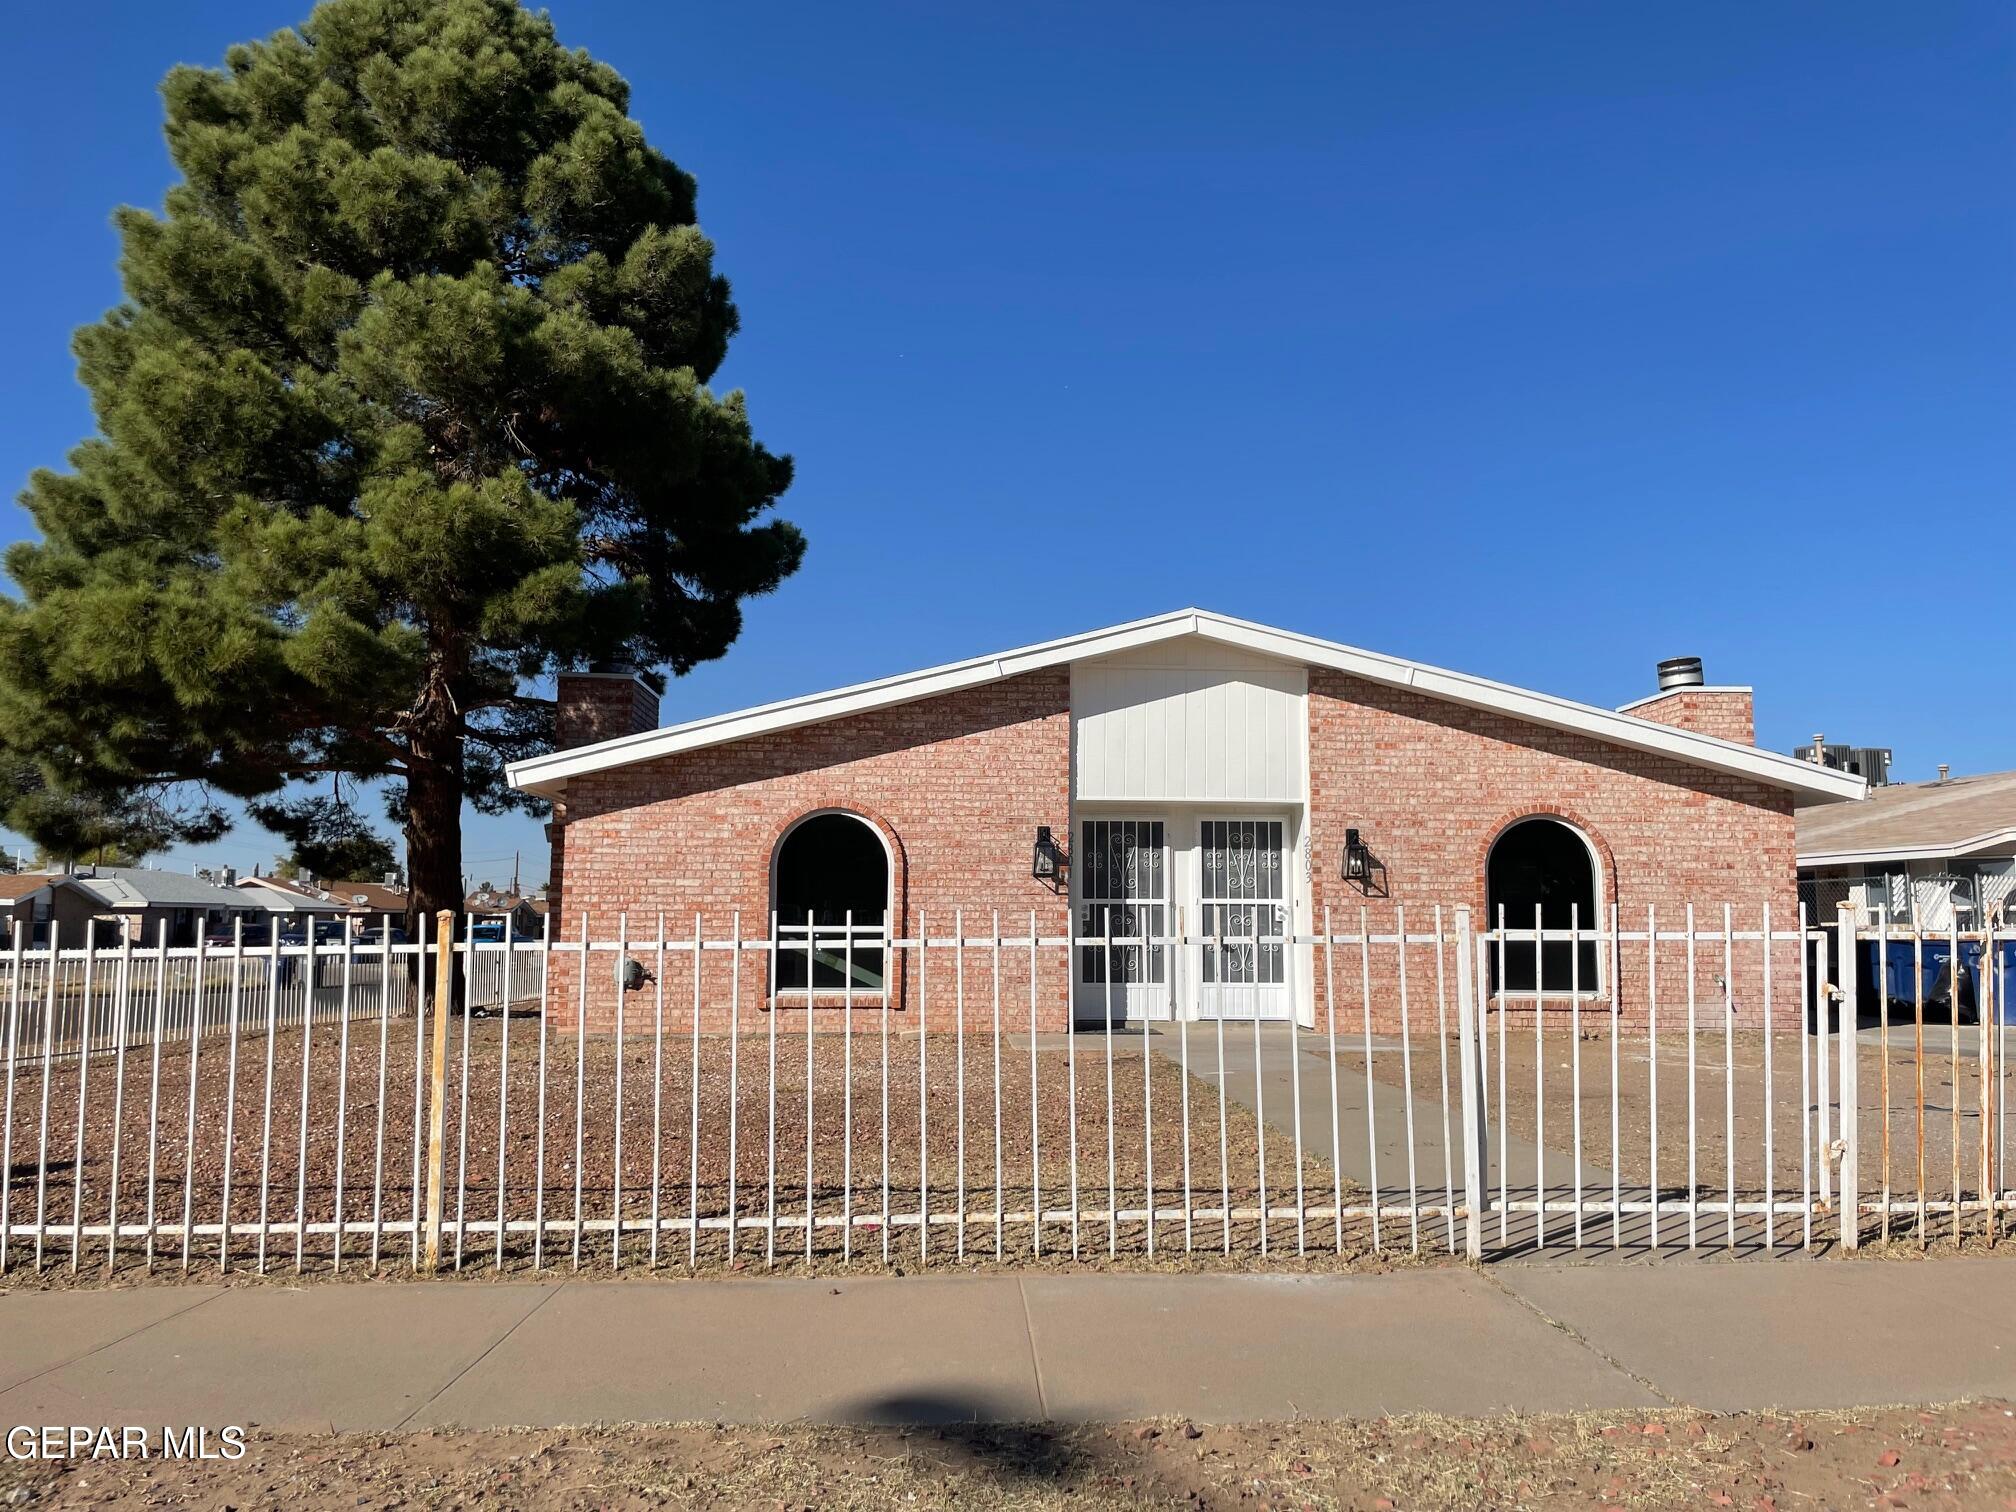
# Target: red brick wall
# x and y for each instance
(957, 785)
(1431, 784)
(1712, 711)
(591, 707)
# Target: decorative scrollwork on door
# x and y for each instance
(1123, 896)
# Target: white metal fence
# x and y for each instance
(1928, 896)
(1723, 1079)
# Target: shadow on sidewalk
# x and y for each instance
(1518, 1233)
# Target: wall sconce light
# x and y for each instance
(1048, 864)
(1357, 858)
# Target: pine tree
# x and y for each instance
(115, 829)
(327, 838)
(405, 408)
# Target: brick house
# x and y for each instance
(24, 905)
(109, 903)
(1189, 771)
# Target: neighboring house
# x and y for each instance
(364, 904)
(24, 902)
(526, 913)
(282, 895)
(1187, 768)
(137, 901)
(373, 904)
(1916, 855)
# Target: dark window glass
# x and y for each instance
(828, 866)
(1543, 864)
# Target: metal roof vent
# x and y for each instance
(1679, 672)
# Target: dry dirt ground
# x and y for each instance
(377, 1159)
(1957, 1456)
(1729, 1101)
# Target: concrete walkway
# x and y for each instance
(1370, 1149)
(1373, 1150)
(1005, 1347)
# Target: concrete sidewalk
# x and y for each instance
(1005, 1347)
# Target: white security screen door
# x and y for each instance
(1123, 885)
(1243, 900)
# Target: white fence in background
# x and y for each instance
(1927, 897)
(71, 999)
(1764, 1085)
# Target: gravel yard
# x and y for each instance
(377, 1159)
(543, 1179)
(1959, 1456)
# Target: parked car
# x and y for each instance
(374, 934)
(328, 931)
(496, 932)
(257, 934)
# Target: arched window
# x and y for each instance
(828, 866)
(1548, 864)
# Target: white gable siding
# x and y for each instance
(1189, 721)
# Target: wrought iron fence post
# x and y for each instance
(1475, 1154)
(1989, 1013)
(1850, 1195)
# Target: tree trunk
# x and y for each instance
(433, 847)
(434, 831)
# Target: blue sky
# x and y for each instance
(1540, 342)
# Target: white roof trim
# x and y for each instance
(1984, 841)
(287, 899)
(1652, 698)
(548, 775)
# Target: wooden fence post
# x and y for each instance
(437, 1082)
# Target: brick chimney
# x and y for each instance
(603, 703)
(1687, 701)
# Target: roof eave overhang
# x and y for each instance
(548, 775)
(1955, 851)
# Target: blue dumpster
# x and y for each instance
(1908, 965)
(1902, 970)
(1978, 965)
